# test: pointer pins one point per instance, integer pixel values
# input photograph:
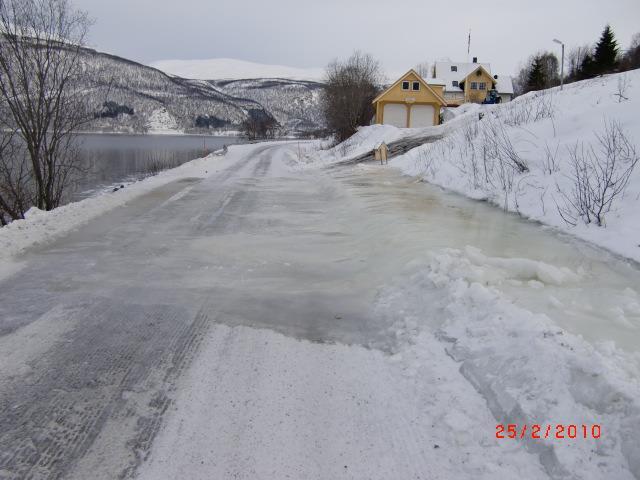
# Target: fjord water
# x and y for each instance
(111, 159)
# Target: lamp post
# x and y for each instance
(561, 64)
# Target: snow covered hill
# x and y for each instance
(163, 104)
(295, 104)
(232, 69)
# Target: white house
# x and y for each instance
(471, 81)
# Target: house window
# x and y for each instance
(416, 86)
(483, 86)
(454, 83)
(454, 68)
(405, 85)
(474, 85)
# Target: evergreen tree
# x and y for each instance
(536, 79)
(587, 68)
(605, 58)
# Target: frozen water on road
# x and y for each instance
(99, 327)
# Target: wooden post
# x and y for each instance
(381, 153)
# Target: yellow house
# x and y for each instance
(476, 85)
(410, 102)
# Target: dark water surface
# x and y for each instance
(113, 159)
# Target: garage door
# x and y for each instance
(395, 114)
(421, 116)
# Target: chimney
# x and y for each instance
(475, 59)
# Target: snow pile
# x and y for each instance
(529, 370)
(41, 227)
(520, 156)
(370, 137)
(524, 269)
(365, 140)
(318, 153)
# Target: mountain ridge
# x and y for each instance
(128, 96)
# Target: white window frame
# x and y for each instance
(413, 86)
(455, 83)
(482, 86)
(454, 68)
(407, 83)
(474, 85)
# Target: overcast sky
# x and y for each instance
(310, 33)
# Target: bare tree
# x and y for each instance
(543, 66)
(623, 86)
(631, 58)
(600, 175)
(423, 70)
(350, 87)
(259, 125)
(576, 58)
(40, 47)
(15, 179)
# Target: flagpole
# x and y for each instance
(468, 53)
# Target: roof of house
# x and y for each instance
(504, 83)
(435, 81)
(422, 80)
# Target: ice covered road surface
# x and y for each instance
(265, 323)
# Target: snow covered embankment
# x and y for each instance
(536, 156)
(552, 156)
(368, 138)
(529, 370)
(40, 227)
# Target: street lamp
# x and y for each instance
(561, 64)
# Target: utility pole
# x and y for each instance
(561, 63)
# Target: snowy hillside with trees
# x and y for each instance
(130, 97)
(295, 104)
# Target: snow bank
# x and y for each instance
(364, 140)
(41, 227)
(529, 370)
(370, 137)
(517, 268)
(540, 130)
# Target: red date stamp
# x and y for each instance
(557, 431)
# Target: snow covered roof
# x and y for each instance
(505, 84)
(435, 81)
(449, 72)
(456, 71)
(422, 80)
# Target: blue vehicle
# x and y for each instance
(492, 97)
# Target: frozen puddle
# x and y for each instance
(261, 405)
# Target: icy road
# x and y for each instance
(268, 322)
